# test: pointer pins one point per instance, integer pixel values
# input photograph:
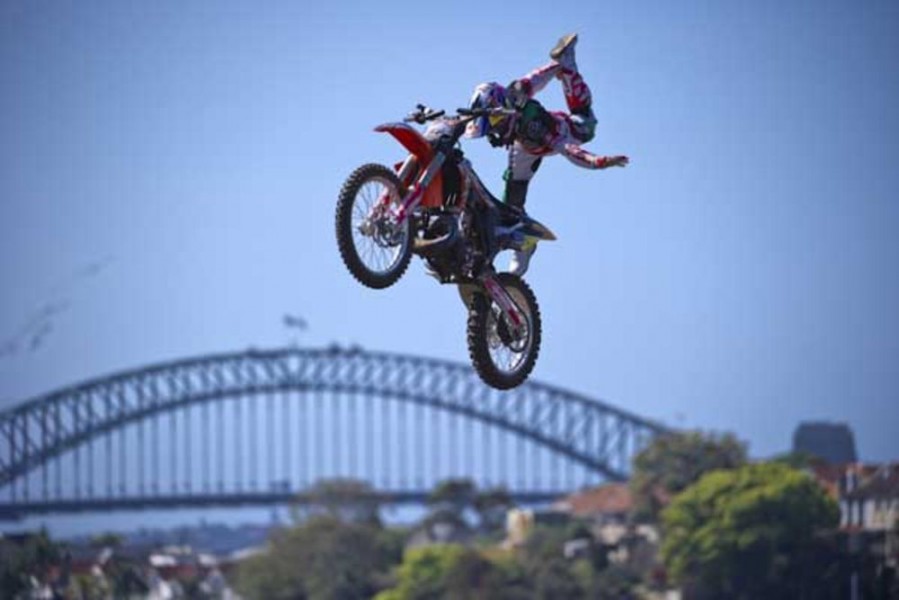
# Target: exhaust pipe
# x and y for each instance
(431, 246)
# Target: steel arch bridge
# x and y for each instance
(259, 427)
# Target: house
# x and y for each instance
(868, 496)
(607, 509)
(871, 503)
(607, 504)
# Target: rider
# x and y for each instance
(533, 132)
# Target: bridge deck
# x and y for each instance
(20, 510)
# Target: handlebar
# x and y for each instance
(423, 114)
(463, 116)
(484, 112)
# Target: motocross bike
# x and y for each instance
(434, 205)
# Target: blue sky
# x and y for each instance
(169, 171)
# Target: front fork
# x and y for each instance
(415, 194)
(511, 311)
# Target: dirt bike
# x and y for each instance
(434, 205)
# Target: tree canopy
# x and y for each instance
(752, 532)
(322, 558)
(19, 563)
(674, 461)
(348, 500)
(445, 571)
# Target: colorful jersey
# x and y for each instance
(543, 133)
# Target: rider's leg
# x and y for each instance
(580, 104)
(522, 166)
(577, 93)
(562, 56)
(524, 88)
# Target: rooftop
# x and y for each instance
(607, 499)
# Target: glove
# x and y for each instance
(497, 140)
(616, 161)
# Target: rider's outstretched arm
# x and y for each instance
(588, 160)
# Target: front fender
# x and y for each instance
(411, 139)
(421, 149)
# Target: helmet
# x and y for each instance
(486, 95)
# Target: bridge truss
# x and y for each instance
(259, 427)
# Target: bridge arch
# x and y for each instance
(589, 432)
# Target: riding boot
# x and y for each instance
(516, 193)
(563, 52)
(521, 259)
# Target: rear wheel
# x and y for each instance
(374, 248)
(501, 358)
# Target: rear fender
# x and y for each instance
(533, 228)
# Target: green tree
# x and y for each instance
(322, 558)
(674, 461)
(471, 575)
(106, 540)
(446, 517)
(348, 500)
(34, 557)
(614, 582)
(125, 578)
(448, 571)
(492, 506)
(799, 460)
(753, 532)
(536, 571)
(448, 503)
(555, 579)
(549, 573)
(423, 572)
(456, 495)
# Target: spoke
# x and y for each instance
(361, 213)
(370, 248)
(505, 357)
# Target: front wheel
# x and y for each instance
(374, 247)
(502, 359)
